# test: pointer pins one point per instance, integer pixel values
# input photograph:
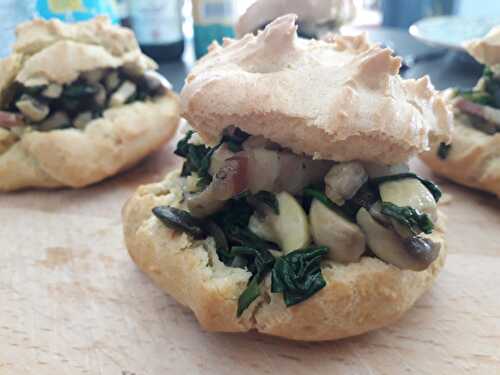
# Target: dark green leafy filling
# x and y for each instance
(79, 97)
(198, 157)
(491, 94)
(413, 219)
(298, 274)
(236, 245)
(262, 263)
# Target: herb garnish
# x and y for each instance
(432, 187)
(298, 274)
(413, 219)
(443, 150)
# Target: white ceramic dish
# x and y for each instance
(451, 31)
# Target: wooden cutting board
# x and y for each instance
(72, 302)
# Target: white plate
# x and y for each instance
(451, 31)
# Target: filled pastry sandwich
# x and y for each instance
(473, 157)
(78, 103)
(294, 212)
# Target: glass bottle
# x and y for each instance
(212, 20)
(158, 27)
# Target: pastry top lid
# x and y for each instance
(54, 51)
(340, 98)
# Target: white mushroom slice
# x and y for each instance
(82, 120)
(218, 158)
(263, 169)
(53, 91)
(413, 254)
(112, 81)
(100, 95)
(261, 227)
(289, 229)
(93, 76)
(32, 108)
(297, 172)
(409, 192)
(56, 121)
(344, 239)
(124, 92)
(343, 180)
(375, 170)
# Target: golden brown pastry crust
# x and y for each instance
(358, 297)
(473, 160)
(339, 99)
(76, 158)
(51, 51)
(77, 47)
(474, 157)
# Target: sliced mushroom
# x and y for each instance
(93, 76)
(112, 81)
(409, 192)
(82, 120)
(124, 92)
(422, 248)
(297, 172)
(230, 180)
(263, 169)
(261, 228)
(413, 254)
(58, 120)
(289, 229)
(343, 180)
(100, 96)
(53, 91)
(32, 108)
(375, 170)
(204, 204)
(218, 158)
(345, 239)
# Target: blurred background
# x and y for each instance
(177, 32)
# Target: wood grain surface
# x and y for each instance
(72, 302)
